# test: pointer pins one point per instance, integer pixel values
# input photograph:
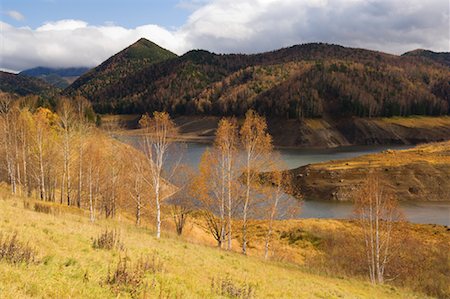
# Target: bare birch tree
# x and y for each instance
(257, 145)
(377, 211)
(182, 201)
(278, 203)
(6, 103)
(82, 128)
(67, 116)
(209, 189)
(226, 144)
(138, 186)
(158, 131)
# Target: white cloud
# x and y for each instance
(247, 26)
(62, 25)
(69, 43)
(15, 15)
(257, 25)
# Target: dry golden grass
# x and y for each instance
(416, 121)
(433, 153)
(68, 265)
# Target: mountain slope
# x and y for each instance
(58, 77)
(441, 57)
(311, 80)
(128, 61)
(24, 85)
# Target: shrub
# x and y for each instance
(42, 208)
(15, 252)
(108, 240)
(295, 235)
(225, 286)
(130, 278)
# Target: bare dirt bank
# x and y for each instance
(421, 173)
(310, 133)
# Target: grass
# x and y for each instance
(68, 266)
(416, 121)
(433, 153)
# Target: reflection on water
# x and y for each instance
(418, 212)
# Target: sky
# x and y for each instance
(70, 33)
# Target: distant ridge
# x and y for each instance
(58, 77)
(63, 72)
(25, 85)
(441, 57)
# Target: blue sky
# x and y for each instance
(70, 33)
(128, 13)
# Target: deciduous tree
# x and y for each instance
(377, 211)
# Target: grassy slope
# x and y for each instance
(64, 249)
(420, 173)
(432, 153)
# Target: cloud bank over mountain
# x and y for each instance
(243, 26)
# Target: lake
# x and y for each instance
(417, 212)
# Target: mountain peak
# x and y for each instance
(144, 48)
(133, 58)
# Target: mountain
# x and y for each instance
(123, 64)
(63, 72)
(58, 77)
(24, 85)
(303, 81)
(441, 57)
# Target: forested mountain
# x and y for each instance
(125, 63)
(310, 80)
(58, 77)
(441, 57)
(24, 85)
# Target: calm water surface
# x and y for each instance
(418, 212)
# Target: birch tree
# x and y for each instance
(226, 144)
(138, 186)
(158, 131)
(182, 201)
(25, 128)
(82, 129)
(6, 103)
(209, 190)
(256, 145)
(278, 203)
(66, 116)
(377, 211)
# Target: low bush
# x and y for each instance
(42, 208)
(109, 239)
(226, 286)
(129, 277)
(14, 251)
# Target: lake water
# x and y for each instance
(418, 212)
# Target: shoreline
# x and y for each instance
(210, 140)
